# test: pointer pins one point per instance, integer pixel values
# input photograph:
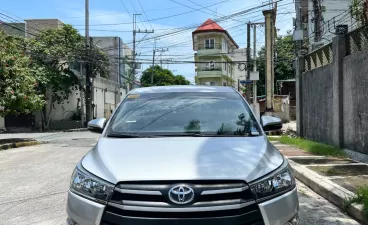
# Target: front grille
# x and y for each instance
(213, 199)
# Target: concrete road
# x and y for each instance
(34, 182)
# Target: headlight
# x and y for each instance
(274, 184)
(90, 186)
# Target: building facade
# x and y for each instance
(316, 20)
(213, 45)
(109, 92)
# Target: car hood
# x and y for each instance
(182, 158)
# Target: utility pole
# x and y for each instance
(269, 14)
(87, 65)
(81, 93)
(248, 64)
(162, 50)
(153, 66)
(318, 22)
(135, 32)
(254, 62)
(133, 60)
(153, 61)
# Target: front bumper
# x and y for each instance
(276, 211)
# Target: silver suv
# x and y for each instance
(183, 155)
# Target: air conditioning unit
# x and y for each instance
(323, 8)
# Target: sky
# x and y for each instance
(173, 22)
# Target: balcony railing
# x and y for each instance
(216, 68)
(209, 46)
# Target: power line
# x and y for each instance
(160, 18)
(217, 20)
(195, 8)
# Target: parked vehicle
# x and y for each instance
(183, 155)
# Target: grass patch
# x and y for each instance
(361, 198)
(273, 138)
(312, 147)
(341, 170)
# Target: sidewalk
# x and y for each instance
(15, 140)
(335, 179)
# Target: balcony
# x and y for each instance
(215, 71)
(210, 49)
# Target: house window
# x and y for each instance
(224, 45)
(209, 43)
(225, 65)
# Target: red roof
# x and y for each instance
(209, 25)
(212, 26)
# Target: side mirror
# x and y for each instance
(270, 123)
(97, 125)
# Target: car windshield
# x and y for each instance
(182, 114)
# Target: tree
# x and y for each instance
(284, 48)
(162, 77)
(180, 80)
(193, 126)
(51, 52)
(17, 83)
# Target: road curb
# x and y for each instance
(18, 145)
(76, 130)
(332, 192)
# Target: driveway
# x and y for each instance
(34, 182)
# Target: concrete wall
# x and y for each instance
(17, 29)
(202, 81)
(333, 100)
(317, 104)
(355, 100)
(34, 26)
(2, 123)
(107, 96)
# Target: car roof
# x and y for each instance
(182, 88)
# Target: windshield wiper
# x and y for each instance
(117, 135)
(189, 135)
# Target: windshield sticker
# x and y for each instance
(254, 131)
(133, 96)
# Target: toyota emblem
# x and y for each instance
(181, 194)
